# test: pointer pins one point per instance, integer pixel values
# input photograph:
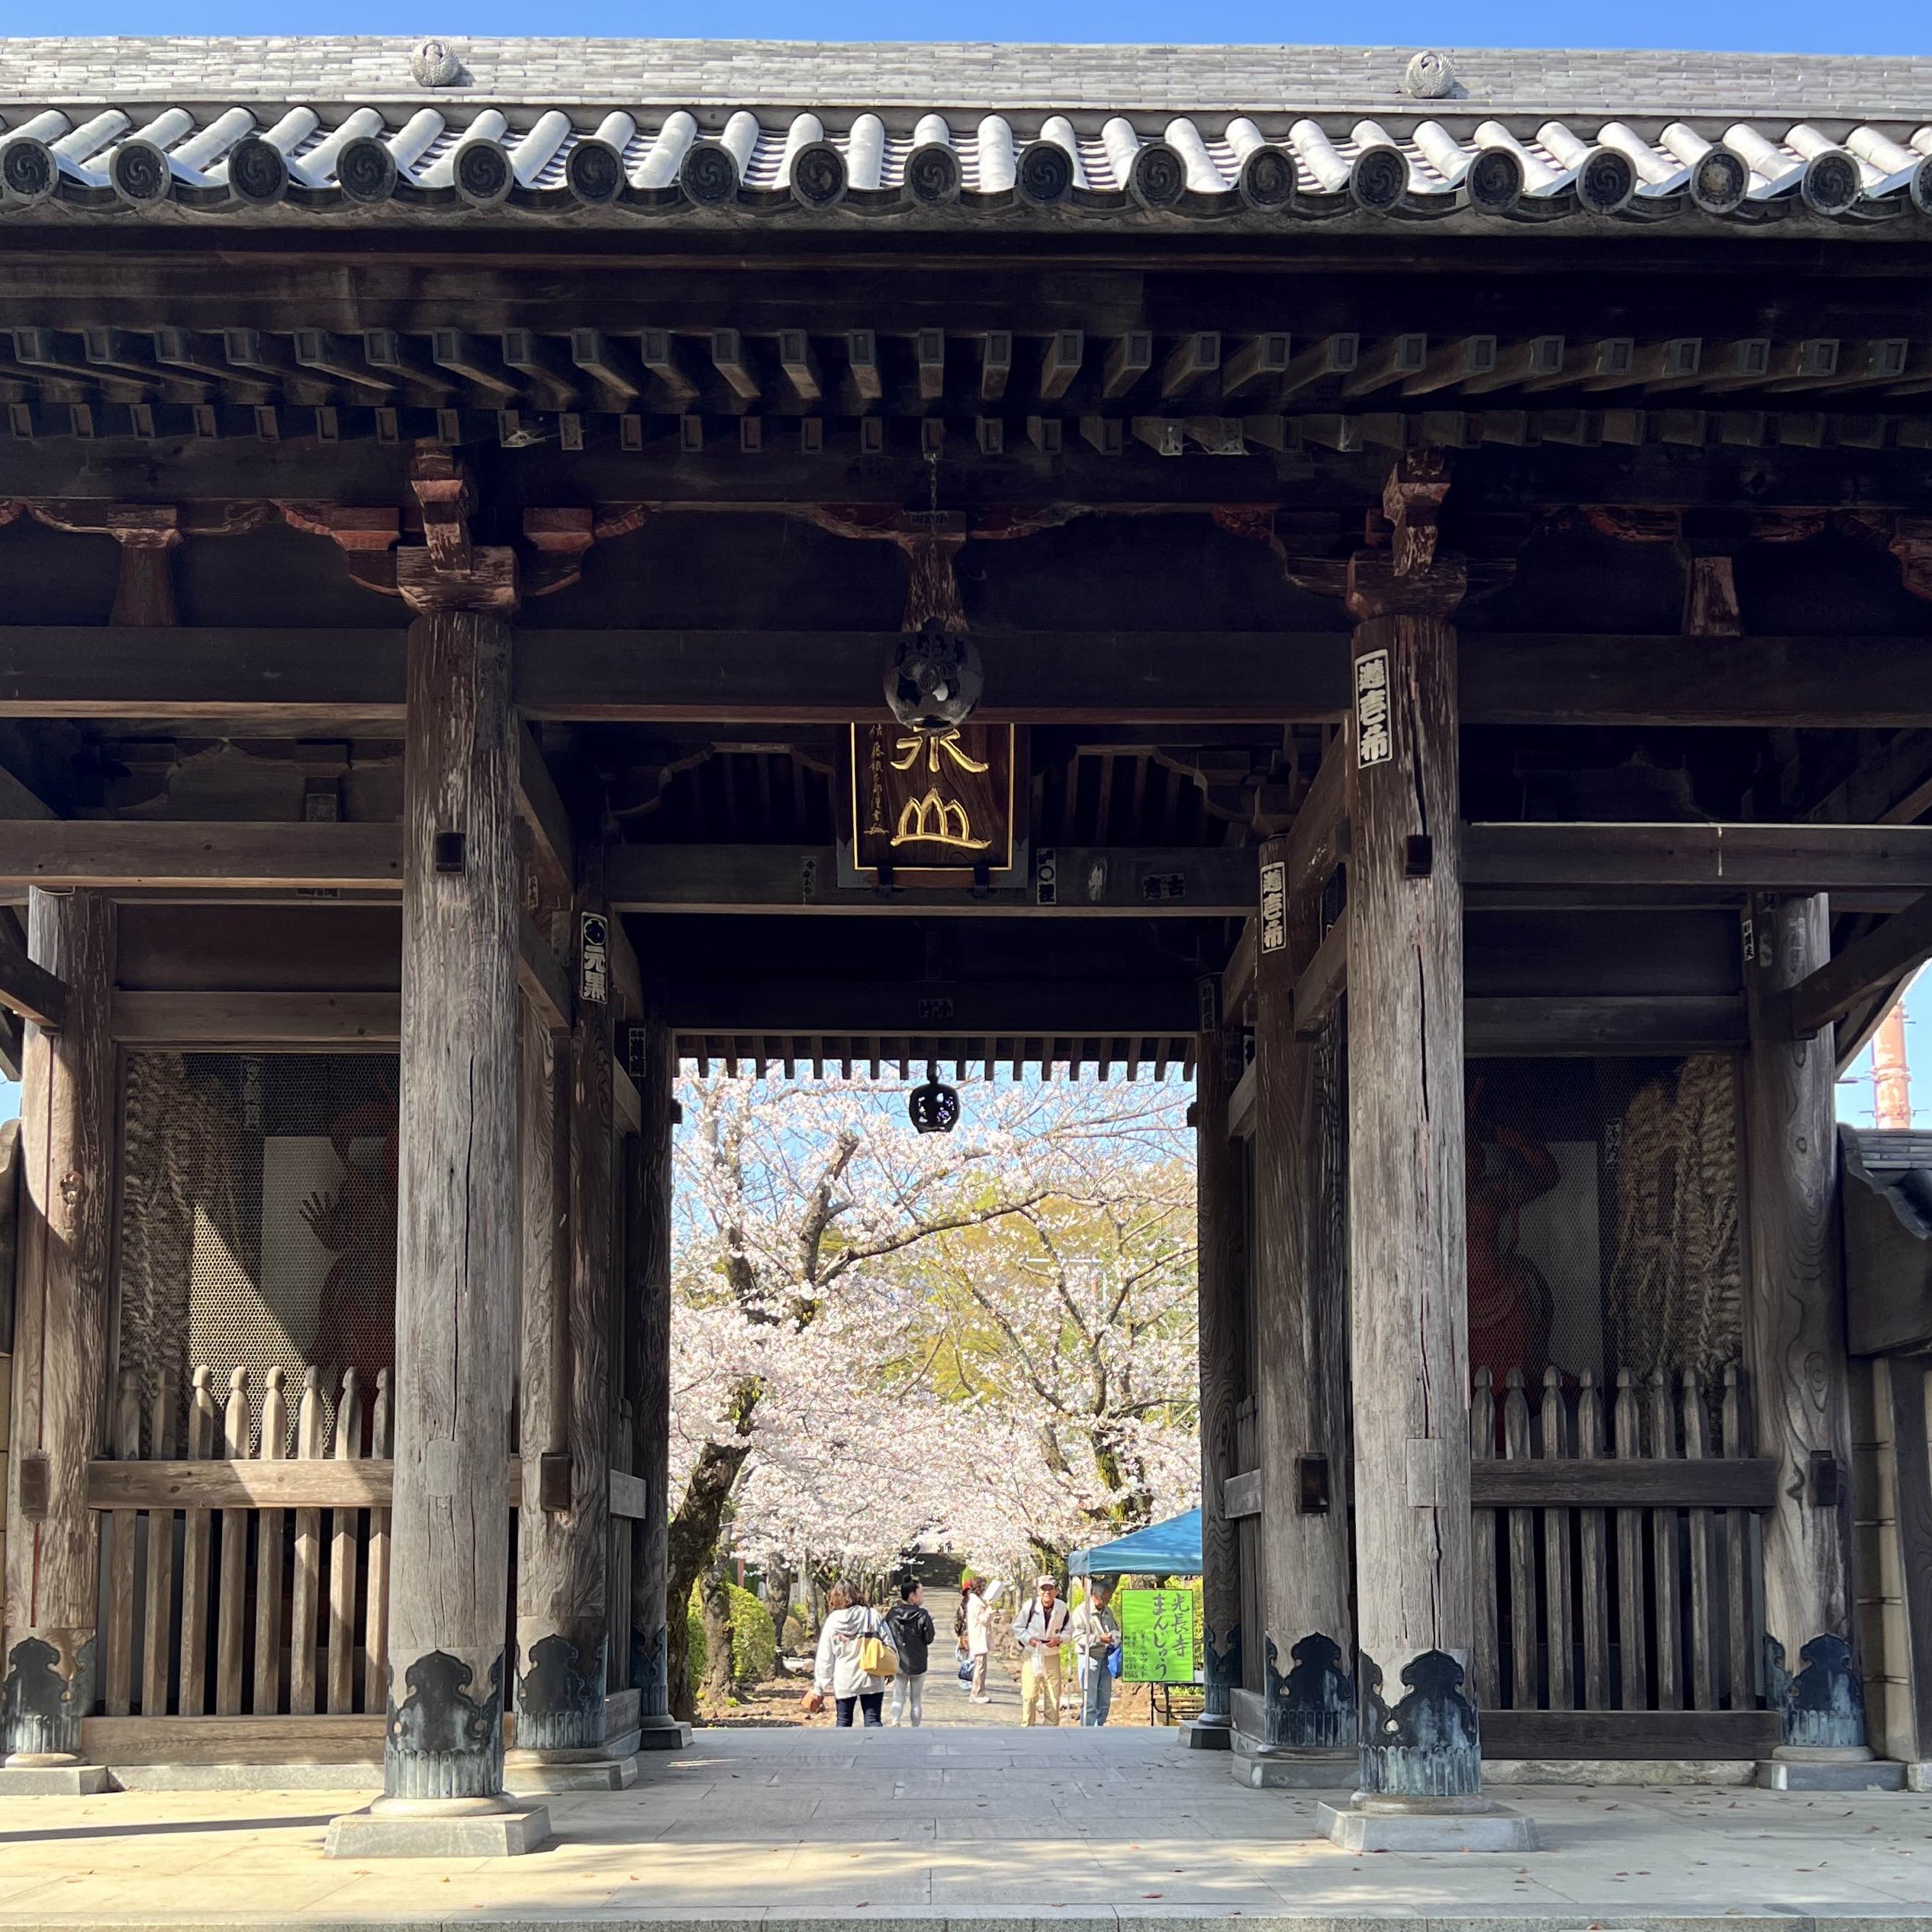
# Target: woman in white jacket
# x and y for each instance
(839, 1673)
(981, 1599)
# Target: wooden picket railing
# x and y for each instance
(245, 1549)
(247, 1566)
(1617, 1564)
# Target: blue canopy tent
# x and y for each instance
(1169, 1549)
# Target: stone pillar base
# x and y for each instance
(1426, 1825)
(596, 1769)
(663, 1735)
(1292, 1767)
(439, 1827)
(1208, 1733)
(1826, 1767)
(54, 1779)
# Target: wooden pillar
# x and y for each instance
(1407, 1265)
(59, 1363)
(457, 1252)
(1301, 1375)
(1794, 1342)
(1218, 1292)
(564, 1536)
(649, 1244)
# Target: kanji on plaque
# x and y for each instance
(1274, 906)
(1373, 745)
(937, 803)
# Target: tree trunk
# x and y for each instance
(715, 1605)
(694, 1538)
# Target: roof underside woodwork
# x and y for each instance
(721, 335)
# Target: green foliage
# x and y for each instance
(797, 1635)
(754, 1637)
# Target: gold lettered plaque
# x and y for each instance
(939, 809)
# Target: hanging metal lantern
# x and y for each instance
(935, 679)
(933, 1107)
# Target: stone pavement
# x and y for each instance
(767, 1830)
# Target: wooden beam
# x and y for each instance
(950, 1009)
(288, 681)
(1564, 1026)
(1867, 967)
(1145, 881)
(1737, 857)
(150, 852)
(1742, 1482)
(1542, 1735)
(541, 974)
(1241, 1496)
(1835, 682)
(282, 680)
(345, 1022)
(1238, 976)
(1322, 981)
(541, 811)
(322, 1483)
(26, 989)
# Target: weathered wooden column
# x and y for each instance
(1794, 1342)
(456, 1261)
(563, 1551)
(1218, 1323)
(648, 1195)
(65, 1238)
(1301, 1377)
(1422, 1766)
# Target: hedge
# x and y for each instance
(754, 1639)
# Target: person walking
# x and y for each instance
(1096, 1636)
(910, 1624)
(1039, 1630)
(839, 1671)
(980, 1596)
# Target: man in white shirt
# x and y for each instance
(1039, 1630)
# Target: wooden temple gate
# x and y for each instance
(1191, 594)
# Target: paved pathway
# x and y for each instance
(796, 1830)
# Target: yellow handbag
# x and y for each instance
(877, 1657)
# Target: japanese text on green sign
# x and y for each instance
(1157, 1636)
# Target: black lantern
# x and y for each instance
(934, 679)
(933, 1107)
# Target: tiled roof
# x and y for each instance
(1259, 134)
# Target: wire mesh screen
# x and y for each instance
(1603, 1216)
(258, 1216)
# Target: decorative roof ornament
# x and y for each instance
(433, 63)
(1428, 76)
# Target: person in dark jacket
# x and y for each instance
(909, 1623)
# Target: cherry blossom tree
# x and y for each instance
(877, 1335)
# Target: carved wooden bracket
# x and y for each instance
(440, 481)
(366, 536)
(932, 540)
(1409, 574)
(558, 539)
(1411, 500)
(144, 593)
(1707, 543)
(1911, 544)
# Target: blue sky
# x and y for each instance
(1780, 27)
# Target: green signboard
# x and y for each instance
(1157, 1636)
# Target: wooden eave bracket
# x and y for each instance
(26, 989)
(1865, 970)
(932, 540)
